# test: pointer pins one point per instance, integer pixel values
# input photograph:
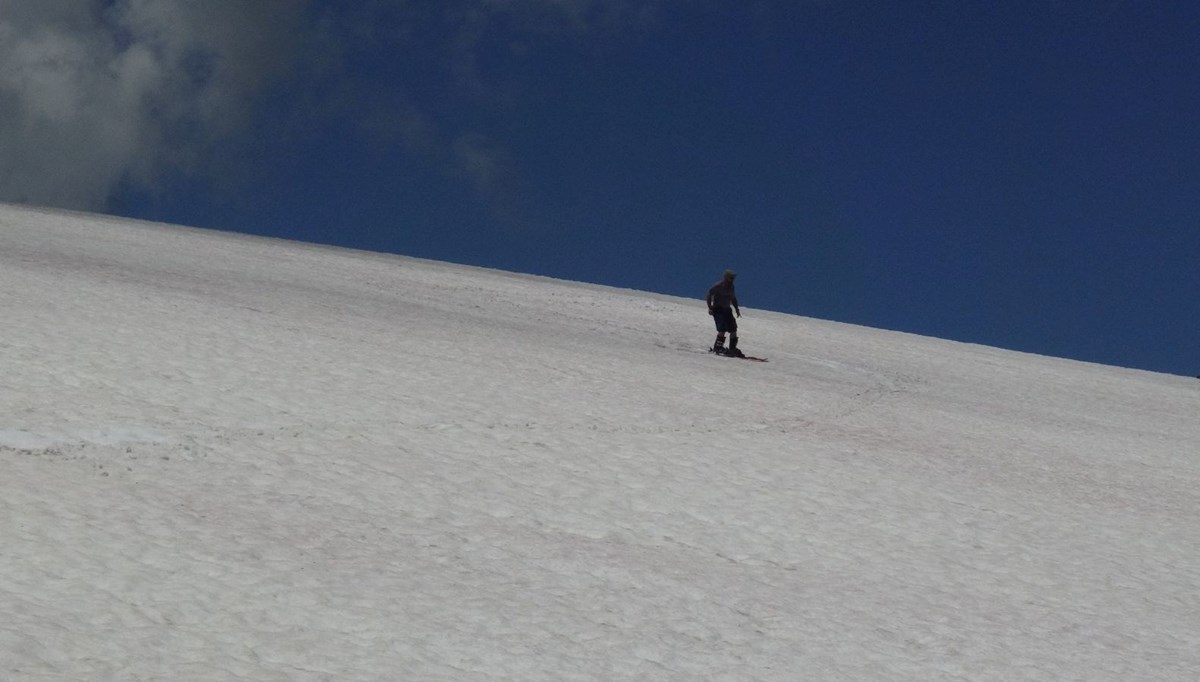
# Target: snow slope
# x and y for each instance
(233, 458)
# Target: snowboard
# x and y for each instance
(751, 358)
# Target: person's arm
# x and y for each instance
(736, 309)
(709, 300)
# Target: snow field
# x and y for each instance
(235, 458)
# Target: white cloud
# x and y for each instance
(96, 93)
(100, 94)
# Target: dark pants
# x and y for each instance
(725, 321)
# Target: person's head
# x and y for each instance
(730, 275)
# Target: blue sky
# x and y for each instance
(1017, 174)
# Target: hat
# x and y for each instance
(730, 274)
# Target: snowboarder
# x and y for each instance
(723, 305)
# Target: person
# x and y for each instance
(723, 306)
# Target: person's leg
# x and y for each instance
(728, 325)
(722, 319)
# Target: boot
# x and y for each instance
(719, 345)
(733, 349)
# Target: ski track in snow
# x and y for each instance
(245, 459)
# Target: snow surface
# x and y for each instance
(232, 458)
